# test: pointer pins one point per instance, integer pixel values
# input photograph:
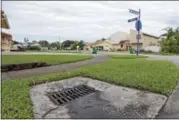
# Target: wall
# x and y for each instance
(148, 41)
(153, 48)
(144, 41)
(103, 43)
(6, 43)
(116, 46)
(134, 45)
(133, 39)
(6, 39)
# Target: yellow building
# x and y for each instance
(108, 45)
(122, 45)
(6, 38)
(121, 41)
(105, 45)
(146, 39)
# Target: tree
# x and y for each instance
(74, 45)
(33, 48)
(54, 45)
(58, 45)
(67, 43)
(103, 39)
(170, 42)
(34, 41)
(26, 40)
(81, 44)
(44, 43)
(15, 42)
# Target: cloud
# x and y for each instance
(88, 20)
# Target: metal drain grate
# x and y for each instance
(69, 94)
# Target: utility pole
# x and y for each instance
(60, 42)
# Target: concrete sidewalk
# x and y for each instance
(53, 69)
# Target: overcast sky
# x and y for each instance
(86, 20)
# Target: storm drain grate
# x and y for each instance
(69, 94)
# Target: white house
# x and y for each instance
(115, 38)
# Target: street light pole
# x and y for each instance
(60, 42)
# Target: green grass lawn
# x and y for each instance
(55, 51)
(59, 51)
(127, 56)
(52, 59)
(161, 53)
(151, 75)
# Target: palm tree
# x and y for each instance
(169, 32)
(170, 42)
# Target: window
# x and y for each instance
(121, 46)
(2, 37)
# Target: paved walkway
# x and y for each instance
(171, 109)
(53, 69)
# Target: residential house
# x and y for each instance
(122, 45)
(6, 41)
(6, 38)
(121, 41)
(24, 46)
(103, 45)
(18, 47)
(88, 46)
(107, 45)
(4, 21)
(145, 41)
(118, 36)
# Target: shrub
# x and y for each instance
(119, 49)
(170, 44)
(33, 48)
(112, 49)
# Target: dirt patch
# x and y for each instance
(22, 66)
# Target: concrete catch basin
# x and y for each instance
(81, 97)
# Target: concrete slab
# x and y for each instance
(110, 101)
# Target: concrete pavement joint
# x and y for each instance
(44, 115)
